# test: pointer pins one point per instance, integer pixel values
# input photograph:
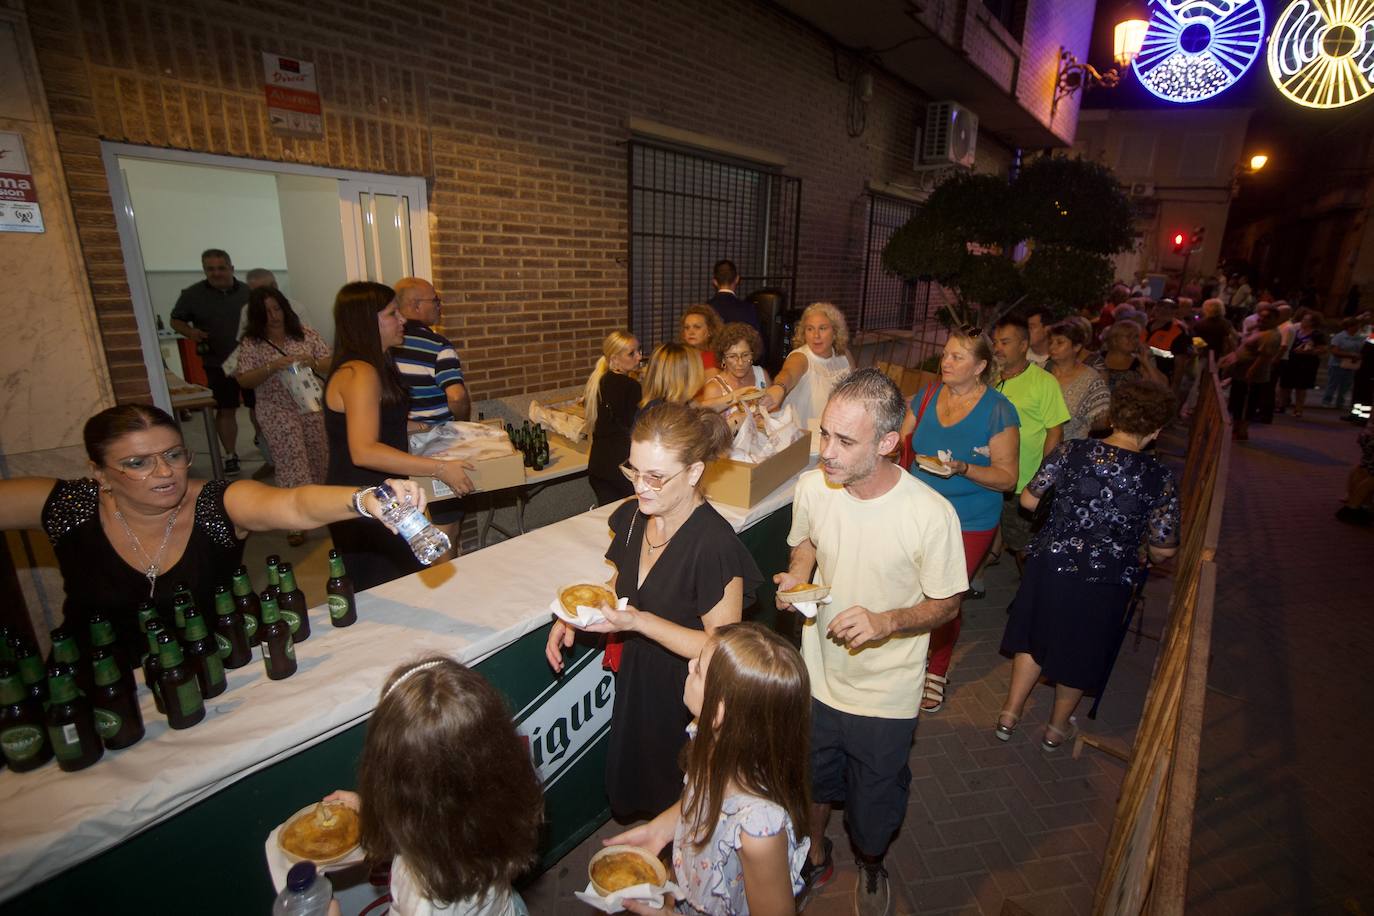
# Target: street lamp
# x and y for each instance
(1073, 75)
(1258, 161)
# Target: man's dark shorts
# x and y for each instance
(862, 761)
(227, 391)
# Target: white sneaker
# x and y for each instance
(872, 891)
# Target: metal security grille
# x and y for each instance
(688, 211)
(888, 300)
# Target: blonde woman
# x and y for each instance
(700, 325)
(673, 376)
(820, 358)
(612, 399)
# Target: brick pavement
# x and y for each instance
(1283, 811)
(1284, 800)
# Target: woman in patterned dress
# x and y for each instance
(273, 340)
(1085, 391)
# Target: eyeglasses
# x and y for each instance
(651, 480)
(736, 357)
(141, 467)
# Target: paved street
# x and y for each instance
(1283, 812)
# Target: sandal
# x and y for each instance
(1004, 732)
(935, 690)
(1064, 736)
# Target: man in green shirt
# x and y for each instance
(1040, 404)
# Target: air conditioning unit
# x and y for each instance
(1143, 189)
(950, 136)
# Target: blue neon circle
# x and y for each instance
(1196, 49)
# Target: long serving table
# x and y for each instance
(183, 815)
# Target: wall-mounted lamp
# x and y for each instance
(1258, 161)
(1127, 39)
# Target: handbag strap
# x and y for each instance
(931, 389)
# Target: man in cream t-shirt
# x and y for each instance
(889, 548)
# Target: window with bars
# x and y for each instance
(888, 301)
(689, 210)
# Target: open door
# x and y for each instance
(385, 228)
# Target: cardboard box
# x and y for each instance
(491, 474)
(736, 483)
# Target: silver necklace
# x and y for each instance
(154, 568)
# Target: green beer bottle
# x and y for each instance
(278, 652)
(6, 651)
(343, 607)
(273, 576)
(65, 651)
(103, 637)
(203, 656)
(181, 601)
(246, 603)
(71, 722)
(117, 718)
(291, 603)
(180, 689)
(23, 733)
(152, 666)
(30, 667)
(231, 637)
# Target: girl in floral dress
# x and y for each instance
(734, 831)
(273, 339)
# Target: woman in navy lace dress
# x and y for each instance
(1082, 566)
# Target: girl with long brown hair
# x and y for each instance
(446, 792)
(365, 408)
(736, 846)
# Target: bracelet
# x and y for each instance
(358, 502)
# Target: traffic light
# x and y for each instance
(1199, 233)
(1180, 242)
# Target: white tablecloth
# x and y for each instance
(469, 608)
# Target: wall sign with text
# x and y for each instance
(19, 210)
(293, 99)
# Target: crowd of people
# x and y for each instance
(729, 746)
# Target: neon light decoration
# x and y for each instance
(1195, 49)
(1322, 52)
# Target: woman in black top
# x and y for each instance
(365, 409)
(139, 526)
(685, 573)
(611, 399)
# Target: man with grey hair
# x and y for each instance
(889, 548)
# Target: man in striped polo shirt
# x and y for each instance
(427, 360)
(431, 370)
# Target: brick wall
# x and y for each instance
(515, 112)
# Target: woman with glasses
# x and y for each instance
(737, 345)
(963, 415)
(684, 573)
(138, 527)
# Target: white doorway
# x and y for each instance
(315, 228)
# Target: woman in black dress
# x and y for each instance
(1299, 375)
(1082, 566)
(139, 526)
(685, 573)
(611, 400)
(365, 409)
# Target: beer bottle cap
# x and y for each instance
(11, 686)
(195, 626)
(102, 631)
(168, 651)
(288, 577)
(224, 602)
(270, 612)
(106, 668)
(64, 648)
(61, 684)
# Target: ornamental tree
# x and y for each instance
(1068, 216)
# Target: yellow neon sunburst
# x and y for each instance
(1321, 52)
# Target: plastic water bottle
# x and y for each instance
(427, 542)
(306, 893)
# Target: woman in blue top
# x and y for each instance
(965, 416)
